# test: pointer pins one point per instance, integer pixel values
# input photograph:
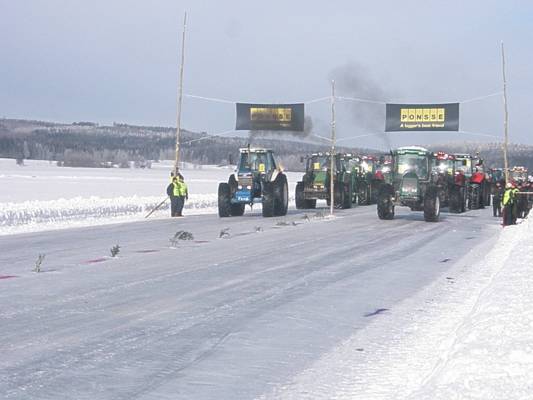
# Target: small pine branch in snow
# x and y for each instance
(224, 233)
(180, 236)
(115, 250)
(320, 214)
(258, 229)
(38, 263)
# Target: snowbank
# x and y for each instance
(466, 336)
(38, 215)
(490, 354)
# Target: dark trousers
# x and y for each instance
(496, 208)
(509, 217)
(176, 205)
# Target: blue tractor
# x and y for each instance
(258, 179)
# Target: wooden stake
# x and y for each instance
(180, 95)
(506, 120)
(332, 153)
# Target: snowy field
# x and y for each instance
(41, 196)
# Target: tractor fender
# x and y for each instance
(274, 175)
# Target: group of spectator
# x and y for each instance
(512, 202)
(178, 192)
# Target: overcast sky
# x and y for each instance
(117, 60)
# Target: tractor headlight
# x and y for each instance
(249, 187)
(240, 187)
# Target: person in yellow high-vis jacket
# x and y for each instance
(509, 204)
(180, 193)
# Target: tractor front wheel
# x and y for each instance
(385, 205)
(299, 196)
(431, 206)
(224, 200)
(338, 194)
(281, 195)
(347, 195)
(456, 200)
(269, 199)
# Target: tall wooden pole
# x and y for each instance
(180, 96)
(506, 120)
(332, 153)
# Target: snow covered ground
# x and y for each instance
(299, 307)
(467, 338)
(41, 196)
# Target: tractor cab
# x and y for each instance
(255, 165)
(353, 163)
(369, 165)
(463, 165)
(496, 175)
(444, 163)
(518, 175)
(413, 161)
(256, 161)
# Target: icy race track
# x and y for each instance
(295, 307)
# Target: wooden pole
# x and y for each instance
(180, 96)
(332, 153)
(506, 120)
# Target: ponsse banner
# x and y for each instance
(422, 117)
(271, 117)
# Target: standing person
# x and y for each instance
(529, 196)
(497, 200)
(170, 193)
(181, 193)
(509, 205)
(515, 205)
(521, 202)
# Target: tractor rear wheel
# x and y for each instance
(299, 196)
(364, 195)
(475, 198)
(338, 193)
(431, 205)
(224, 200)
(456, 201)
(347, 195)
(268, 199)
(281, 195)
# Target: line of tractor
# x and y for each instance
(411, 176)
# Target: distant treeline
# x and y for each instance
(87, 144)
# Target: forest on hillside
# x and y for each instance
(87, 144)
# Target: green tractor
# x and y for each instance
(315, 184)
(412, 184)
(258, 179)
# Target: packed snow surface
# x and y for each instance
(305, 306)
(467, 339)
